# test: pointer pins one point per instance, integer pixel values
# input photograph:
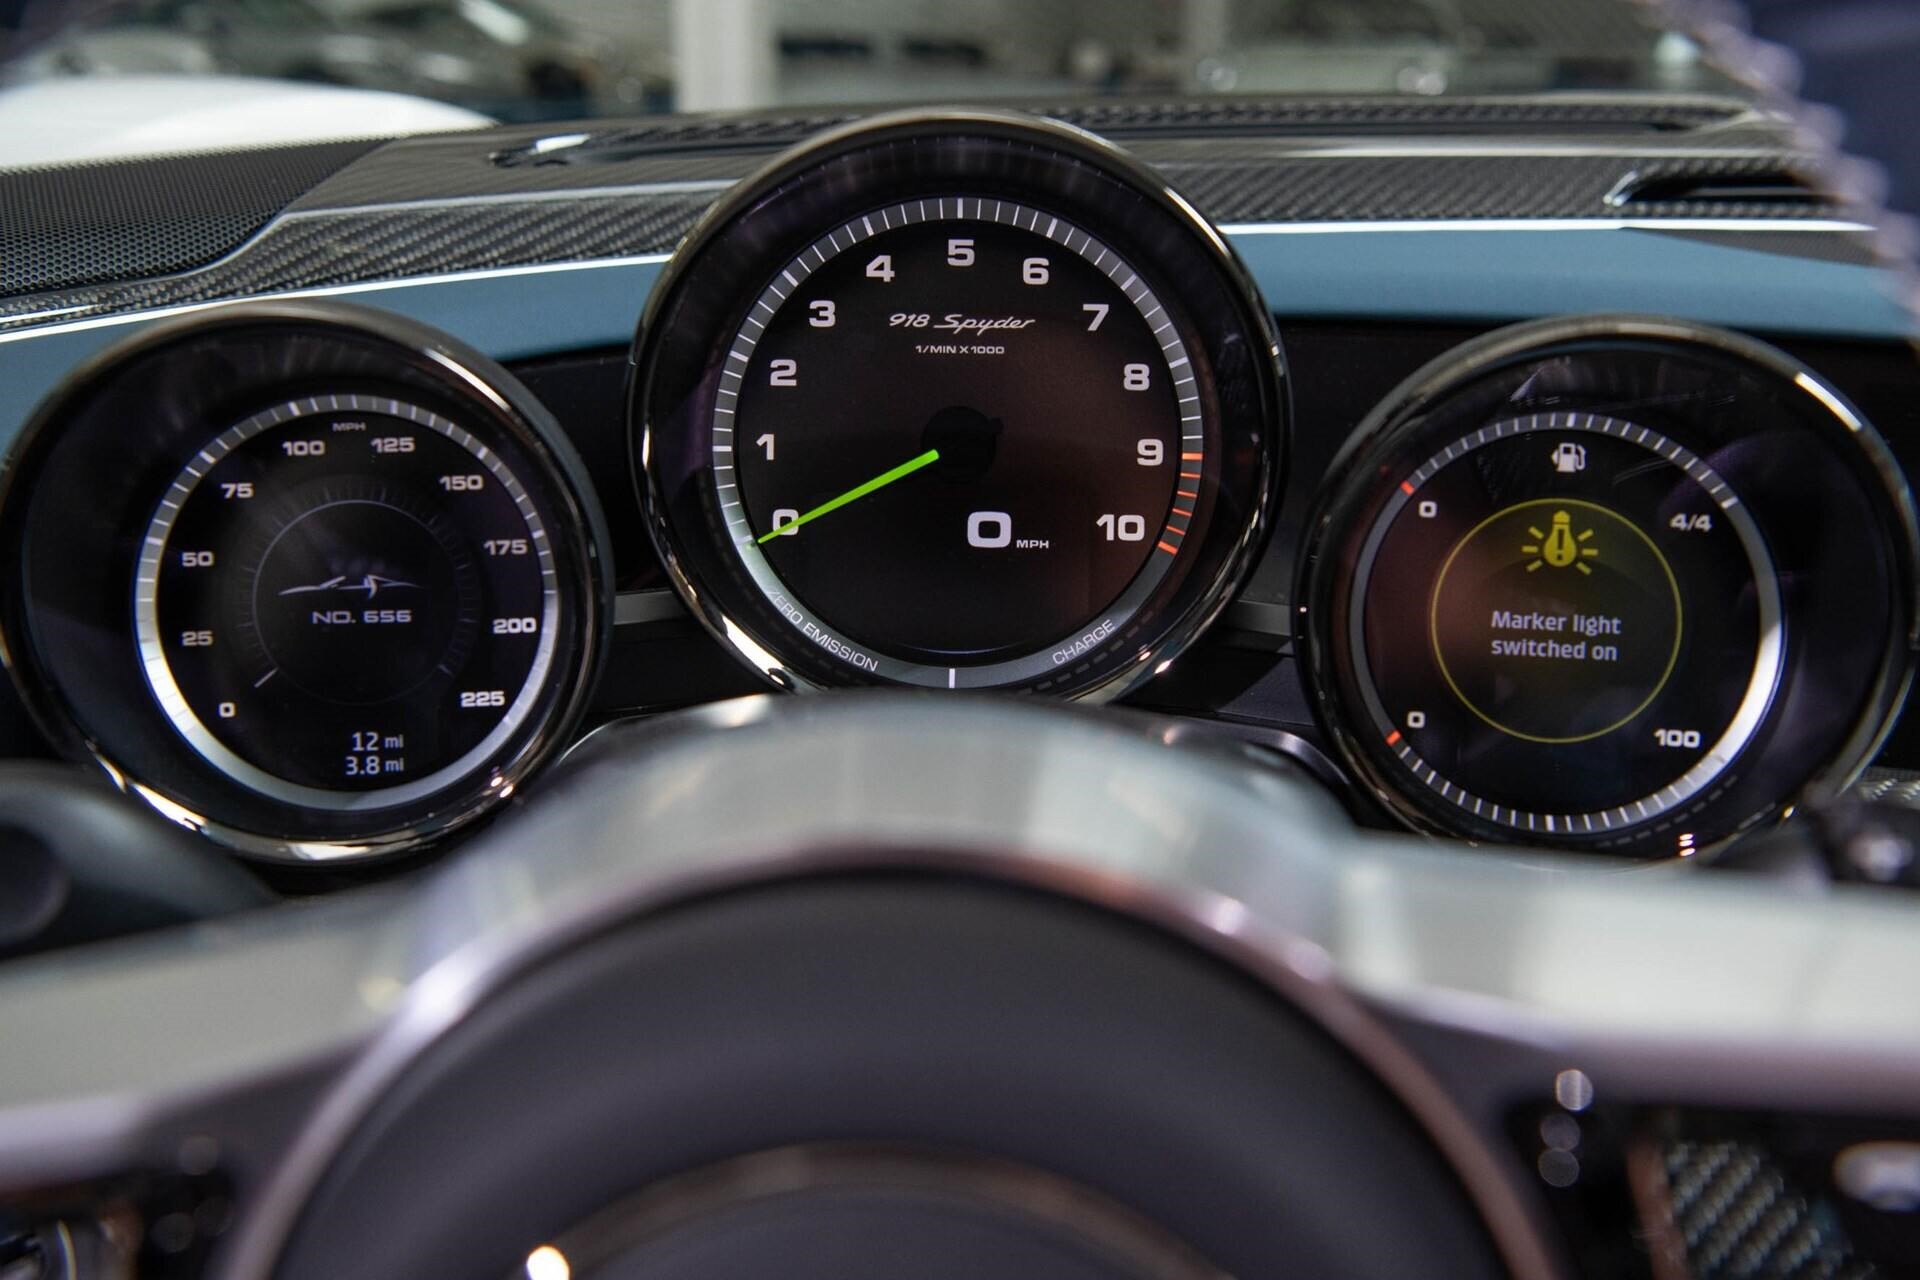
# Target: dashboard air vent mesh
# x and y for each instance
(1726, 186)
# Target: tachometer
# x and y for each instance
(1610, 582)
(1021, 482)
(960, 402)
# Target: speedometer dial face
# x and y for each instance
(958, 437)
(958, 402)
(346, 600)
(340, 594)
(1565, 624)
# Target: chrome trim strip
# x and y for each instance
(330, 291)
(1827, 226)
(637, 191)
(1523, 149)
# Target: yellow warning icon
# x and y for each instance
(1559, 547)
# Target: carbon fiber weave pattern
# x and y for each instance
(1742, 1219)
(313, 252)
(1133, 118)
(65, 227)
(1337, 188)
(1229, 180)
(505, 162)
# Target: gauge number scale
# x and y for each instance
(957, 441)
(346, 602)
(1565, 624)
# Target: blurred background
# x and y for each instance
(520, 60)
(523, 59)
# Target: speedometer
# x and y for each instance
(963, 403)
(355, 594)
(346, 599)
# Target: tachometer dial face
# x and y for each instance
(957, 438)
(960, 402)
(1565, 624)
(346, 600)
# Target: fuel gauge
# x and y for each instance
(1561, 580)
(1608, 582)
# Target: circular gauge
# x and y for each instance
(1579, 584)
(348, 588)
(986, 520)
(346, 600)
(956, 402)
(1520, 594)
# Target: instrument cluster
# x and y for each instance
(965, 402)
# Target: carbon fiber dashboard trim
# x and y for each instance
(1230, 180)
(1247, 185)
(1134, 118)
(443, 168)
(508, 160)
(317, 251)
(1891, 786)
(1740, 1214)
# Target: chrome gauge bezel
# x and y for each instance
(1795, 456)
(946, 164)
(166, 689)
(80, 642)
(1732, 740)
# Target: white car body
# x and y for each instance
(95, 118)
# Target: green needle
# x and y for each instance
(856, 493)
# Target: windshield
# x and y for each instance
(525, 60)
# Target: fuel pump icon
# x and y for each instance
(1569, 457)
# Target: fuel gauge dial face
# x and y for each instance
(1564, 624)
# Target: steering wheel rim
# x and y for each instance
(1089, 807)
(1468, 982)
(931, 1021)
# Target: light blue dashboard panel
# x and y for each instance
(1451, 273)
(1509, 274)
